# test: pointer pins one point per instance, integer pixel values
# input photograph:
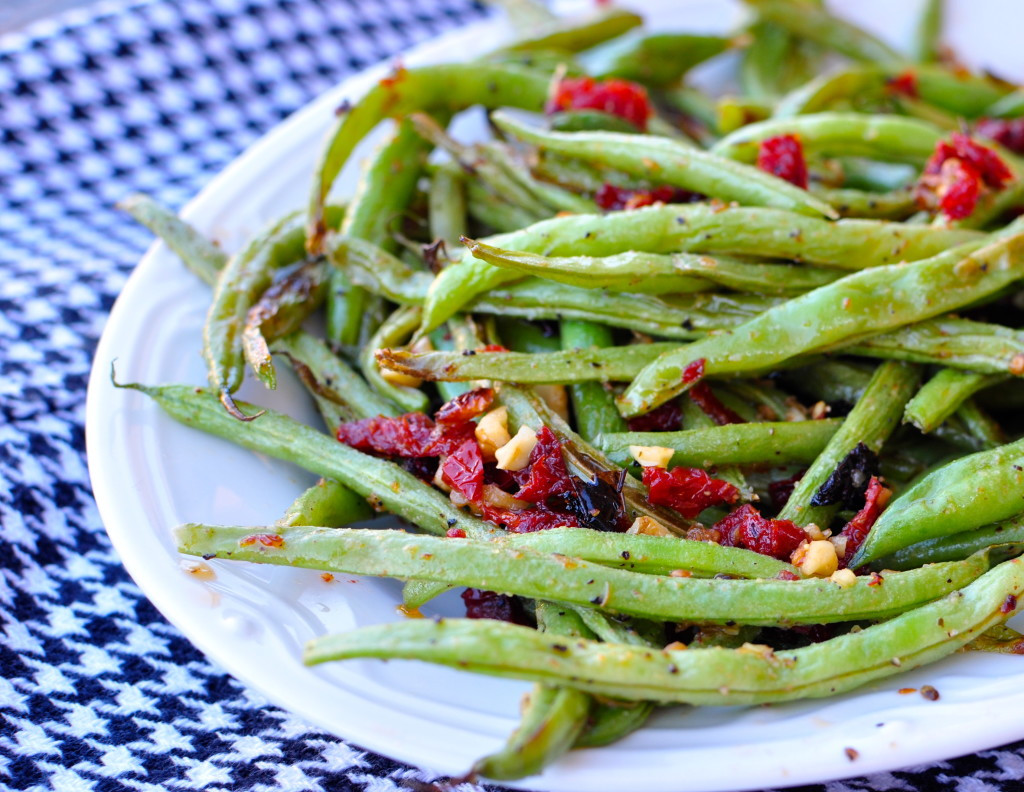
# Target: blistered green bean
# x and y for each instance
(943, 394)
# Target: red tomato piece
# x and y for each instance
(1006, 131)
(616, 97)
(490, 605)
(666, 418)
(409, 435)
(705, 398)
(465, 407)
(539, 518)
(783, 156)
(463, 470)
(610, 197)
(856, 530)
(687, 490)
(694, 372)
(546, 474)
(745, 527)
(904, 84)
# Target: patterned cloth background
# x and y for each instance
(97, 691)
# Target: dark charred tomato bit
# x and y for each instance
(539, 518)
(694, 372)
(489, 605)
(705, 398)
(745, 527)
(779, 491)
(687, 490)
(856, 530)
(455, 533)
(465, 407)
(783, 156)
(849, 481)
(408, 435)
(596, 503)
(546, 474)
(423, 468)
(929, 693)
(1009, 604)
(1006, 131)
(267, 540)
(666, 418)
(616, 97)
(610, 197)
(904, 84)
(463, 470)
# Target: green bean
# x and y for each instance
(711, 676)
(1006, 536)
(447, 205)
(282, 309)
(574, 34)
(956, 343)
(611, 722)
(495, 212)
(395, 330)
(327, 504)
(592, 405)
(637, 632)
(495, 567)
(1010, 105)
(770, 442)
(980, 425)
(553, 197)
(653, 59)
(445, 87)
(695, 105)
(382, 195)
(583, 177)
(372, 268)
(245, 276)
(968, 493)
(817, 24)
(328, 377)
(763, 66)
(733, 112)
(658, 555)
(695, 419)
(875, 176)
(829, 380)
(958, 93)
(765, 401)
(1001, 639)
(281, 437)
(943, 394)
(553, 717)
(867, 302)
(928, 32)
(871, 421)
(657, 273)
(453, 337)
(525, 15)
(591, 121)
(846, 244)
(893, 205)
(196, 252)
(886, 137)
(676, 165)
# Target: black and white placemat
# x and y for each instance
(97, 691)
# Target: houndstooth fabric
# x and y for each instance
(97, 691)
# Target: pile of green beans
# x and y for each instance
(750, 329)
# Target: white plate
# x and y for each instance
(150, 474)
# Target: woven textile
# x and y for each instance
(97, 691)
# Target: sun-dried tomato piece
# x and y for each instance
(264, 539)
(694, 372)
(610, 197)
(1006, 131)
(408, 435)
(856, 530)
(687, 490)
(745, 527)
(490, 605)
(616, 97)
(546, 474)
(904, 84)
(783, 156)
(779, 491)
(957, 174)
(492, 348)
(666, 418)
(539, 518)
(463, 469)
(705, 398)
(465, 407)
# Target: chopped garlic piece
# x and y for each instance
(648, 526)
(651, 456)
(843, 577)
(813, 532)
(817, 558)
(492, 431)
(399, 379)
(555, 397)
(515, 454)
